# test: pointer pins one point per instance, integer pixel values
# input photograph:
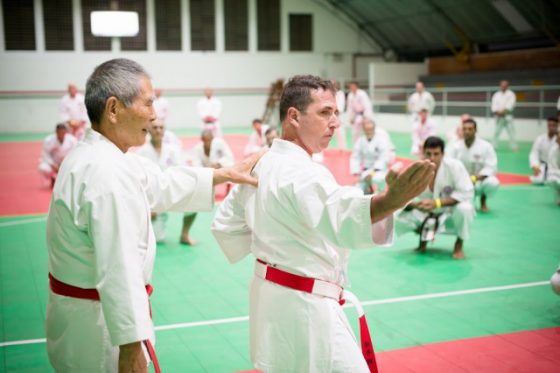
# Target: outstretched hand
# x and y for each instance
(239, 173)
(405, 184)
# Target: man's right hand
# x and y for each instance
(132, 358)
(404, 185)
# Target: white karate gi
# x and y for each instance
(452, 181)
(99, 235)
(554, 171)
(219, 153)
(74, 109)
(53, 153)
(420, 132)
(210, 107)
(358, 106)
(479, 159)
(371, 157)
(170, 156)
(301, 221)
(418, 101)
(504, 101)
(256, 142)
(539, 156)
(161, 107)
(340, 132)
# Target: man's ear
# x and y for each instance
(112, 109)
(293, 116)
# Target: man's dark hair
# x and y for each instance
(60, 126)
(257, 120)
(433, 142)
(269, 130)
(470, 120)
(119, 77)
(297, 92)
(552, 119)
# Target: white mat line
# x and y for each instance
(366, 303)
(23, 221)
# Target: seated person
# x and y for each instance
(164, 155)
(55, 148)
(445, 206)
(554, 169)
(270, 134)
(479, 158)
(370, 158)
(422, 128)
(257, 140)
(538, 158)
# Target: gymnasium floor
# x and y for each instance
(494, 312)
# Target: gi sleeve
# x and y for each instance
(226, 160)
(534, 159)
(46, 152)
(490, 162)
(464, 189)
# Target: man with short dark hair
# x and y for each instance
(299, 224)
(538, 157)
(99, 234)
(55, 148)
(480, 160)
(445, 206)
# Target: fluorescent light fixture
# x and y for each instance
(512, 16)
(114, 23)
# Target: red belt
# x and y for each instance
(67, 290)
(326, 289)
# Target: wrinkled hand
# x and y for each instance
(132, 359)
(239, 173)
(405, 184)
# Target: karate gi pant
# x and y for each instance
(160, 223)
(555, 186)
(488, 186)
(77, 337)
(507, 124)
(357, 129)
(456, 220)
(294, 331)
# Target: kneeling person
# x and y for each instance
(445, 206)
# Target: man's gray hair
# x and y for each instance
(120, 78)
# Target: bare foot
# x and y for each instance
(458, 251)
(422, 247)
(484, 208)
(187, 241)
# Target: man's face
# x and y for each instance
(369, 129)
(318, 122)
(134, 121)
(72, 90)
(469, 132)
(504, 85)
(552, 128)
(434, 155)
(208, 92)
(157, 130)
(419, 87)
(60, 133)
(423, 116)
(257, 126)
(353, 87)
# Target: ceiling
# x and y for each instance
(410, 30)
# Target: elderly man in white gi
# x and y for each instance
(445, 206)
(55, 148)
(299, 224)
(358, 106)
(479, 158)
(554, 169)
(209, 109)
(421, 99)
(370, 159)
(99, 234)
(73, 112)
(503, 103)
(538, 157)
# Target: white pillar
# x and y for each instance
(77, 26)
(252, 5)
(185, 26)
(219, 27)
(39, 26)
(151, 25)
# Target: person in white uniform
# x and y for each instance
(161, 106)
(257, 140)
(358, 106)
(554, 169)
(445, 206)
(73, 112)
(164, 155)
(422, 128)
(503, 104)
(209, 109)
(421, 99)
(538, 157)
(479, 158)
(55, 148)
(270, 134)
(101, 245)
(370, 159)
(341, 104)
(212, 152)
(299, 223)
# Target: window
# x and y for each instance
(139, 42)
(301, 32)
(94, 43)
(236, 25)
(268, 25)
(168, 25)
(202, 25)
(59, 28)
(19, 24)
